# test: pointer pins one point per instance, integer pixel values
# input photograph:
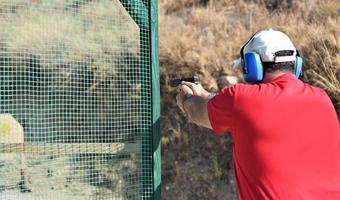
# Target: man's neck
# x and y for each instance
(268, 77)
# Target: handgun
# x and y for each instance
(175, 82)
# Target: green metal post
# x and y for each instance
(145, 14)
(155, 101)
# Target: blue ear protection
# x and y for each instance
(298, 65)
(253, 68)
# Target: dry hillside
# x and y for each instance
(204, 37)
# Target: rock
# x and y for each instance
(225, 81)
(10, 130)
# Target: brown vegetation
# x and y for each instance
(204, 37)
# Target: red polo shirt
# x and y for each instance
(286, 139)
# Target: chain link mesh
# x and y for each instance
(75, 99)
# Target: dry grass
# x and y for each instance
(204, 37)
(79, 38)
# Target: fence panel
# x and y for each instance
(78, 97)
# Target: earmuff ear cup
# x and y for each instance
(298, 66)
(253, 69)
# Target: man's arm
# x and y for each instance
(196, 108)
(193, 100)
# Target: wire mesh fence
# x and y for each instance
(75, 99)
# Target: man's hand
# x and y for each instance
(197, 89)
(192, 99)
(184, 92)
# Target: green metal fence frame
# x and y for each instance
(140, 10)
(150, 27)
(155, 100)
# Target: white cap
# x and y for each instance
(266, 43)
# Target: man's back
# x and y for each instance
(286, 139)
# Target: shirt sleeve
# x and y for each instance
(220, 109)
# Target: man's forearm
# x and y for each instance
(196, 109)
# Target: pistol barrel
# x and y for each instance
(175, 82)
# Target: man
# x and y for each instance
(286, 133)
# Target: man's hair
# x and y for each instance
(282, 67)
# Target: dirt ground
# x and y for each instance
(196, 164)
